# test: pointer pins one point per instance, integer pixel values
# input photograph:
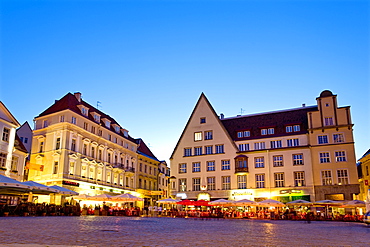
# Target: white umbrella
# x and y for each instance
(64, 191)
(82, 197)
(168, 201)
(299, 202)
(223, 202)
(9, 183)
(354, 204)
(126, 198)
(271, 203)
(38, 188)
(102, 197)
(244, 202)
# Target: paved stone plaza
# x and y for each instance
(136, 231)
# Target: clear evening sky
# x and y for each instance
(147, 62)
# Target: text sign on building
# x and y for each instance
(70, 183)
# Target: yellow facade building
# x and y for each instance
(364, 165)
(77, 146)
(301, 153)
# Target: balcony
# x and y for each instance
(129, 171)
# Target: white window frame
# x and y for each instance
(342, 176)
(299, 179)
(196, 167)
(340, 156)
(324, 157)
(259, 162)
(260, 180)
(226, 182)
(326, 177)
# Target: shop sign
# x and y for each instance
(290, 191)
(181, 195)
(241, 193)
(71, 183)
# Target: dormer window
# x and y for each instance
(85, 111)
(96, 117)
(270, 131)
(117, 128)
(107, 123)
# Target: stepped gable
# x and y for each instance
(69, 101)
(143, 149)
(277, 119)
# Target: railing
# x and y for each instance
(241, 169)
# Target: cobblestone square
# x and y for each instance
(146, 231)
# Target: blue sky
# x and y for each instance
(147, 62)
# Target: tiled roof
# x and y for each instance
(69, 101)
(143, 149)
(277, 120)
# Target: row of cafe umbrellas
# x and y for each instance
(266, 203)
(10, 185)
(126, 197)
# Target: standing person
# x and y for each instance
(160, 210)
(150, 210)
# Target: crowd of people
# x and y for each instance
(39, 209)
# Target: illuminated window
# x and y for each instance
(182, 184)
(299, 179)
(342, 176)
(211, 183)
(279, 179)
(225, 182)
(14, 163)
(197, 136)
(326, 177)
(242, 181)
(260, 180)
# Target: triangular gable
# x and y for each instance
(201, 101)
(7, 115)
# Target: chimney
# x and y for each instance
(78, 96)
(303, 105)
(221, 116)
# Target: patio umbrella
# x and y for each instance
(126, 198)
(271, 203)
(64, 191)
(102, 197)
(244, 202)
(221, 202)
(299, 203)
(38, 188)
(187, 202)
(11, 185)
(354, 204)
(82, 197)
(168, 201)
(329, 203)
